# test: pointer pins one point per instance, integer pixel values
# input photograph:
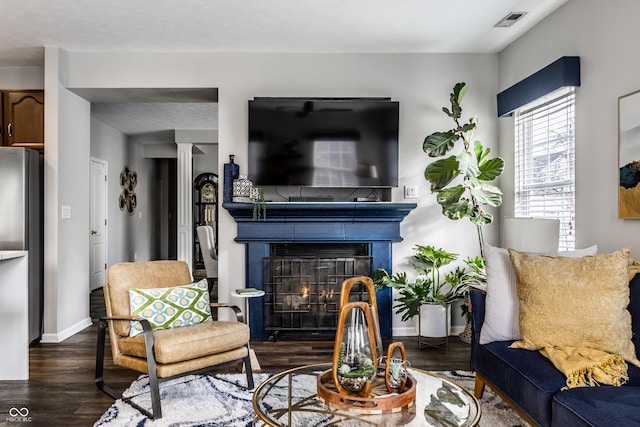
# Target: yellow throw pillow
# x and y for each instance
(576, 302)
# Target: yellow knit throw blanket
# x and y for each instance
(587, 366)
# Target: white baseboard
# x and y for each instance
(69, 332)
(411, 331)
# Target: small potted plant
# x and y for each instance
(430, 292)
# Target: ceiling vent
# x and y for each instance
(510, 19)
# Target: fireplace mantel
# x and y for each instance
(365, 221)
(374, 223)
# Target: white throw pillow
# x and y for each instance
(501, 314)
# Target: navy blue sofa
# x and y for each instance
(531, 385)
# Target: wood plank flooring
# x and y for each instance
(61, 389)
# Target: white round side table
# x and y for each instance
(255, 365)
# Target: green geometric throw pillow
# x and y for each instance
(173, 307)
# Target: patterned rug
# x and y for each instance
(206, 401)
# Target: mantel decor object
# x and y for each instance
(231, 172)
(354, 381)
(242, 190)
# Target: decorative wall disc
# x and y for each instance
(128, 183)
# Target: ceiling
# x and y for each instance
(327, 26)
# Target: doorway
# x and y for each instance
(138, 128)
(98, 215)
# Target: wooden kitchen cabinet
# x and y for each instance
(23, 119)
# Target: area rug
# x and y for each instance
(206, 401)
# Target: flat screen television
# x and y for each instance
(345, 142)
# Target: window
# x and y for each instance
(545, 162)
(334, 162)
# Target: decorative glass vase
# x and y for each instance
(355, 361)
(395, 373)
(242, 190)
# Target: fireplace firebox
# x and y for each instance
(302, 294)
(321, 229)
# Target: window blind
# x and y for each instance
(545, 162)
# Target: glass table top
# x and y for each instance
(290, 398)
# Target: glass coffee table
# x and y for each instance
(290, 398)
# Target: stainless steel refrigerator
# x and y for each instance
(21, 221)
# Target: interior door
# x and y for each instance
(98, 223)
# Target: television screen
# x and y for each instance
(323, 142)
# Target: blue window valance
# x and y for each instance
(564, 72)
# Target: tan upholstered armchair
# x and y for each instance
(163, 353)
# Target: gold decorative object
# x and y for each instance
(208, 193)
(353, 382)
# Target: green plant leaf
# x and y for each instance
(491, 169)
(468, 127)
(458, 210)
(459, 91)
(441, 172)
(439, 143)
(487, 194)
(467, 165)
(432, 257)
(451, 195)
(480, 152)
(479, 217)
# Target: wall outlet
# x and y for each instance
(410, 191)
(66, 212)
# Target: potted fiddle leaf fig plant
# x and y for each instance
(462, 181)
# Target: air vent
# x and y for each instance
(510, 19)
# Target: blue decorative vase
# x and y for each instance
(231, 172)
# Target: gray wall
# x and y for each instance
(604, 35)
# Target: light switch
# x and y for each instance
(410, 191)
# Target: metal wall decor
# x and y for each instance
(128, 183)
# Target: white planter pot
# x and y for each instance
(435, 320)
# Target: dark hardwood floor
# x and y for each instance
(61, 389)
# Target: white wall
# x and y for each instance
(420, 82)
(73, 189)
(110, 145)
(21, 77)
(604, 35)
(207, 162)
(140, 232)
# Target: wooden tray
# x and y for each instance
(378, 402)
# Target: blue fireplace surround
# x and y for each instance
(374, 223)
